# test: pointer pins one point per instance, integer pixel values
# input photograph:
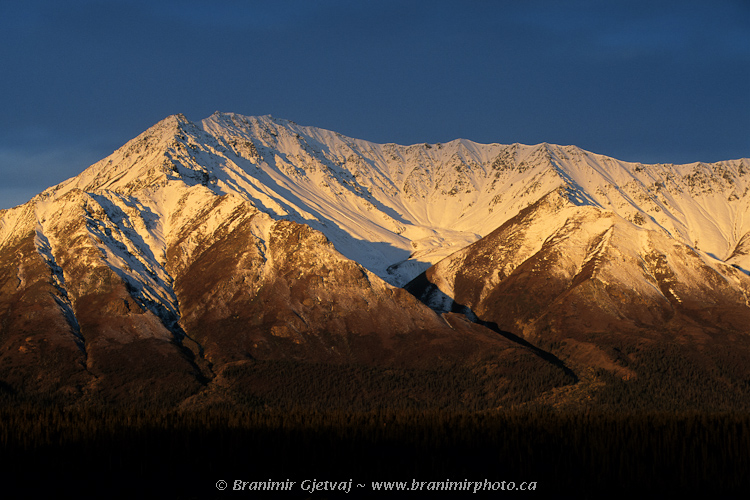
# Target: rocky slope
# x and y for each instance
(607, 297)
(241, 258)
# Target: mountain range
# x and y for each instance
(251, 260)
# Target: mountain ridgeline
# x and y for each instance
(253, 261)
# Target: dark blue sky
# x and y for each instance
(648, 81)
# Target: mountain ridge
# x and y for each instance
(385, 202)
(218, 246)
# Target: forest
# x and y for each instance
(182, 454)
(680, 426)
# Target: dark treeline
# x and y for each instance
(682, 425)
(674, 378)
(286, 385)
(97, 452)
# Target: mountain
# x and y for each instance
(253, 260)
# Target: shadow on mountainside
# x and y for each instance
(247, 177)
(440, 302)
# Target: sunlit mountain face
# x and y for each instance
(254, 260)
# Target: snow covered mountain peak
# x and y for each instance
(398, 209)
(198, 252)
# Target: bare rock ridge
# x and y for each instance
(253, 260)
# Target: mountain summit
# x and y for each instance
(205, 259)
